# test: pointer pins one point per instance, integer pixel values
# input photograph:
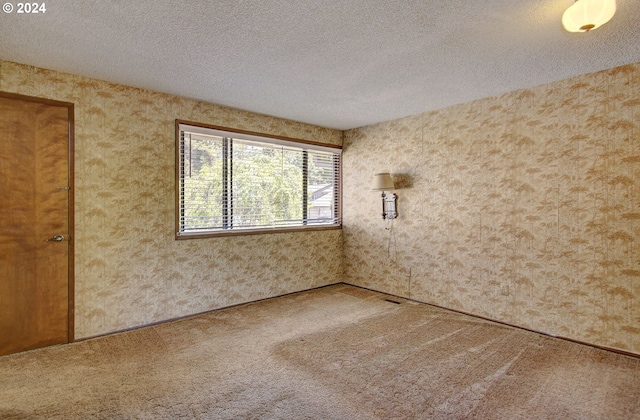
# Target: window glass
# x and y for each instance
(232, 182)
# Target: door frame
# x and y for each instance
(71, 204)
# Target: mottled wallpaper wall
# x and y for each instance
(524, 208)
(129, 270)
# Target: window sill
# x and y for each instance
(246, 232)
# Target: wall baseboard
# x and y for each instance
(181, 318)
(573, 340)
(584, 343)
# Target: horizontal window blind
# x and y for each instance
(236, 182)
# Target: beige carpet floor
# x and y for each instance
(334, 353)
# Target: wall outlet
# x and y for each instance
(504, 290)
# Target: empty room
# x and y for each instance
(341, 209)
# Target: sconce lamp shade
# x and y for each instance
(584, 15)
(382, 182)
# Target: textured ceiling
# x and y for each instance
(334, 63)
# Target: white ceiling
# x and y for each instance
(334, 63)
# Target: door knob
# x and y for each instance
(56, 238)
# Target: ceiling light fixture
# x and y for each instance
(585, 15)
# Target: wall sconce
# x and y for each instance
(382, 182)
(585, 15)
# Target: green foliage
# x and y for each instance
(267, 187)
(202, 187)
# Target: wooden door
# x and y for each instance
(35, 179)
